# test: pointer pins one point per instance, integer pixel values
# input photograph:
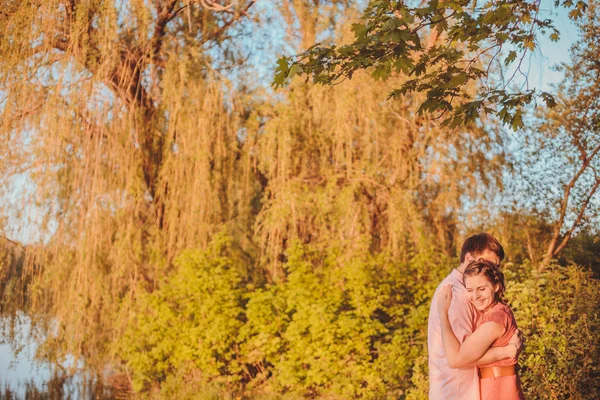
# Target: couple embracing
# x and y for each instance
(472, 334)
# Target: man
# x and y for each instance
(446, 383)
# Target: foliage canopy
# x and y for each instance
(443, 47)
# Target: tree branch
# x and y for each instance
(165, 14)
(551, 252)
(578, 219)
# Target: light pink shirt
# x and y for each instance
(447, 383)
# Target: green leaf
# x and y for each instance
(404, 64)
(381, 72)
(294, 69)
(455, 6)
(512, 55)
(391, 24)
(281, 72)
(517, 120)
(360, 30)
(420, 69)
(459, 79)
(502, 37)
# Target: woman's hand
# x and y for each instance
(515, 344)
(444, 299)
(513, 350)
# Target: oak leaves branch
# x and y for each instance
(473, 39)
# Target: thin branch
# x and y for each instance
(214, 6)
(243, 12)
(431, 22)
(14, 242)
(564, 205)
(164, 16)
(578, 219)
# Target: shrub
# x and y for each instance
(341, 326)
(189, 326)
(559, 313)
(316, 331)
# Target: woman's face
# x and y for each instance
(481, 292)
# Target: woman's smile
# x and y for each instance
(482, 294)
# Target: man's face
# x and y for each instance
(487, 255)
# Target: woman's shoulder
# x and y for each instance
(503, 307)
(500, 313)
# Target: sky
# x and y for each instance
(551, 53)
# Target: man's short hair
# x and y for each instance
(479, 243)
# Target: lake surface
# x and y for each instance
(22, 377)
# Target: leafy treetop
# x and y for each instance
(465, 38)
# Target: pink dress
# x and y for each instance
(501, 387)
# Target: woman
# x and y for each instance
(495, 326)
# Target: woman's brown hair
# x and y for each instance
(491, 272)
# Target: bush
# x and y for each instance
(342, 327)
(316, 332)
(559, 312)
(189, 327)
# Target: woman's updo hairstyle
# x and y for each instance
(491, 272)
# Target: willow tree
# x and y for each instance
(348, 167)
(115, 130)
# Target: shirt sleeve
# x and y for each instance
(498, 316)
(461, 316)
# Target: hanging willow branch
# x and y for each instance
(111, 120)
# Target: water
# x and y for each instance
(23, 377)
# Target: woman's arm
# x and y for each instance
(511, 350)
(475, 346)
(494, 354)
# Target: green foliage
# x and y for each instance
(188, 327)
(336, 326)
(343, 327)
(583, 249)
(391, 40)
(327, 325)
(559, 313)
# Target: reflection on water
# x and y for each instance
(22, 377)
(54, 388)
